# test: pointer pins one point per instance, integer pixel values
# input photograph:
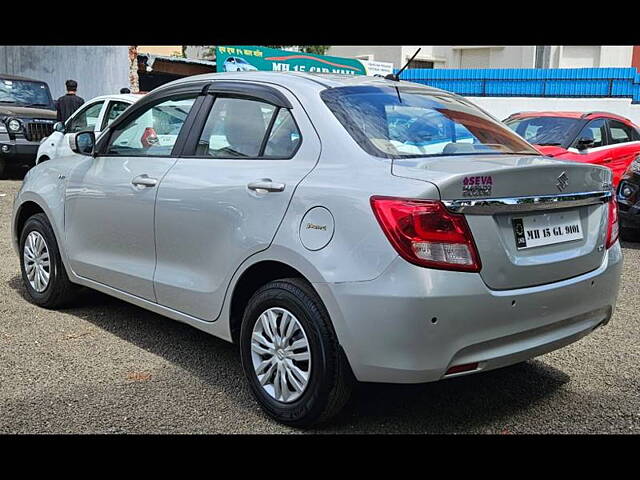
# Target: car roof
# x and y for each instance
(317, 81)
(568, 114)
(6, 76)
(126, 97)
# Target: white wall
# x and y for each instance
(502, 107)
(99, 70)
(511, 56)
(379, 53)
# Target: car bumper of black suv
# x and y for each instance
(18, 151)
(629, 202)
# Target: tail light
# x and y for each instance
(425, 233)
(612, 227)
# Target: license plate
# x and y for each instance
(548, 229)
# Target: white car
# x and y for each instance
(237, 64)
(94, 115)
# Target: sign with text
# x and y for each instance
(250, 58)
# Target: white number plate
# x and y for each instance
(539, 230)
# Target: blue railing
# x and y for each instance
(532, 82)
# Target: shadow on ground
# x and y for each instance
(14, 173)
(474, 403)
(633, 245)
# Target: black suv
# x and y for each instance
(27, 115)
(629, 202)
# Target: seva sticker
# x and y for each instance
(477, 186)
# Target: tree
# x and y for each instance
(133, 68)
(315, 49)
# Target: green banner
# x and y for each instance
(249, 58)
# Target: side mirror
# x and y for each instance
(58, 127)
(584, 143)
(83, 143)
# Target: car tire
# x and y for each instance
(57, 291)
(329, 378)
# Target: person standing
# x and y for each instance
(69, 103)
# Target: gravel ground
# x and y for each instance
(105, 366)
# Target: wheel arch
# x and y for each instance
(25, 211)
(250, 280)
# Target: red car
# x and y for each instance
(596, 137)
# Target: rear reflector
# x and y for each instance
(425, 233)
(467, 367)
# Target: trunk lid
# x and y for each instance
(505, 266)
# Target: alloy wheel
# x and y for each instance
(281, 354)
(36, 261)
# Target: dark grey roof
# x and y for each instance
(6, 76)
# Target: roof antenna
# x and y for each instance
(396, 76)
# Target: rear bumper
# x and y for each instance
(386, 326)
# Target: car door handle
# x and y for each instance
(144, 181)
(607, 160)
(266, 185)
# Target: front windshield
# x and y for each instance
(24, 93)
(406, 122)
(545, 130)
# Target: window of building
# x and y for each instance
(419, 64)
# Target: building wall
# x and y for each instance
(99, 70)
(379, 53)
(165, 50)
(493, 56)
(201, 52)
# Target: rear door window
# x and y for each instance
(284, 137)
(619, 132)
(235, 128)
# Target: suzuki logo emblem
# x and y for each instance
(563, 181)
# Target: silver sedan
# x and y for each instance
(337, 228)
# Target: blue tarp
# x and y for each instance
(532, 82)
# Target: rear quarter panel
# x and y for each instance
(343, 182)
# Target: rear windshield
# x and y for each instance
(25, 94)
(545, 130)
(406, 122)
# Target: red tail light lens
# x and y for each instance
(425, 233)
(612, 228)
